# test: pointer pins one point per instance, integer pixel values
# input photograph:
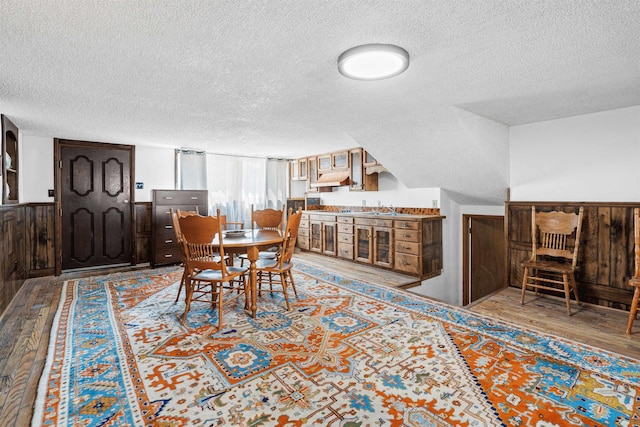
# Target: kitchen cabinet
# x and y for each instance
(374, 241)
(362, 176)
(302, 169)
(324, 163)
(164, 249)
(408, 244)
(322, 234)
(304, 233)
(369, 160)
(418, 247)
(312, 174)
(345, 237)
(293, 170)
(339, 160)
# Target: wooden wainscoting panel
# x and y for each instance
(143, 231)
(605, 258)
(40, 239)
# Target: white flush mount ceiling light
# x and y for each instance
(373, 62)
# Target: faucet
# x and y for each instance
(392, 209)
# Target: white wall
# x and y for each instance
(155, 168)
(592, 157)
(36, 168)
(390, 192)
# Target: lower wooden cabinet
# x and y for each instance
(345, 237)
(322, 234)
(409, 244)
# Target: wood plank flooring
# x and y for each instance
(26, 325)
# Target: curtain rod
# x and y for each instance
(194, 151)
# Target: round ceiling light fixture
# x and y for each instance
(373, 62)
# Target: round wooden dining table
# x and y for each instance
(251, 242)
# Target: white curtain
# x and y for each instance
(234, 184)
(191, 173)
(276, 183)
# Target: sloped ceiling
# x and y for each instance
(260, 77)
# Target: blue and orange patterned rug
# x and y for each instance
(348, 354)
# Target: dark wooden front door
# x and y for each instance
(484, 254)
(95, 196)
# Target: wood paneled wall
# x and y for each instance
(27, 244)
(143, 231)
(40, 239)
(605, 257)
(13, 262)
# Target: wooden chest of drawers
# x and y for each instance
(164, 249)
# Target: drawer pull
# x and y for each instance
(406, 263)
(168, 198)
(194, 197)
(168, 227)
(168, 241)
(406, 235)
(168, 256)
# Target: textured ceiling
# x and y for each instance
(260, 78)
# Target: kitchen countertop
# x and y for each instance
(385, 215)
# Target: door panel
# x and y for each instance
(95, 200)
(487, 256)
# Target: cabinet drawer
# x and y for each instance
(304, 217)
(162, 214)
(406, 225)
(345, 219)
(407, 263)
(303, 232)
(374, 222)
(168, 255)
(408, 235)
(304, 223)
(166, 241)
(303, 242)
(345, 251)
(345, 228)
(345, 238)
(325, 218)
(180, 197)
(412, 248)
(163, 227)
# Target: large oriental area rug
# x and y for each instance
(348, 354)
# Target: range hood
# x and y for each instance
(332, 179)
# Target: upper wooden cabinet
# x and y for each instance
(369, 160)
(302, 169)
(293, 170)
(324, 163)
(349, 162)
(340, 160)
(9, 162)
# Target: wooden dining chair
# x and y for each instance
(555, 239)
(226, 224)
(635, 280)
(175, 214)
(208, 278)
(278, 270)
(266, 219)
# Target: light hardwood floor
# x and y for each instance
(26, 325)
